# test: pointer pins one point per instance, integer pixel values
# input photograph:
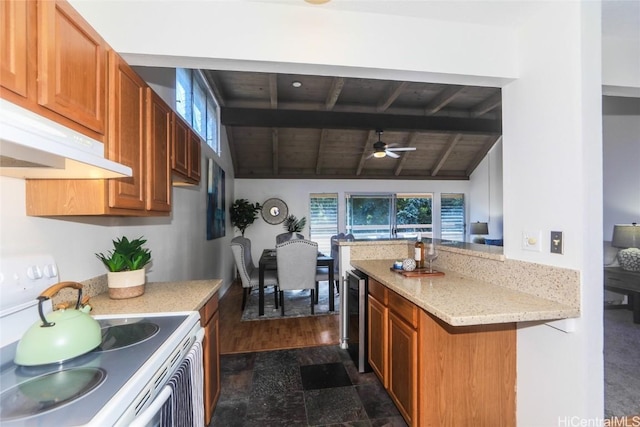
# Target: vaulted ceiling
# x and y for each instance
(326, 127)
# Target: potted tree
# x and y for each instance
(126, 262)
(243, 213)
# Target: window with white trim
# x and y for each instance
(323, 211)
(197, 105)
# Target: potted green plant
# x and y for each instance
(243, 213)
(293, 224)
(126, 262)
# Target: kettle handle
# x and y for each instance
(50, 292)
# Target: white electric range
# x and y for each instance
(124, 381)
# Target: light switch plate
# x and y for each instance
(531, 240)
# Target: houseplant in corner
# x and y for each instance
(126, 262)
(243, 213)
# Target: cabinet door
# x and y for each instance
(158, 146)
(180, 146)
(377, 334)
(194, 156)
(211, 360)
(72, 64)
(403, 367)
(17, 40)
(126, 133)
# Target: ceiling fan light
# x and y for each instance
(379, 154)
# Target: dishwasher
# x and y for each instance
(355, 320)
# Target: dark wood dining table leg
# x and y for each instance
(261, 291)
(331, 279)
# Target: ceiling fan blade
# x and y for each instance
(392, 154)
(402, 149)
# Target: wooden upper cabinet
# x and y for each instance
(17, 42)
(126, 139)
(185, 153)
(180, 148)
(72, 64)
(159, 137)
(195, 150)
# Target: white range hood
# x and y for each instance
(32, 146)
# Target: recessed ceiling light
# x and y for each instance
(296, 84)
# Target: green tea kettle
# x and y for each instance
(62, 335)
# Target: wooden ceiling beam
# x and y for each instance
(323, 138)
(339, 120)
(442, 99)
(273, 90)
(274, 150)
(334, 92)
(214, 84)
(451, 144)
(366, 150)
(487, 105)
(404, 156)
(394, 89)
(491, 141)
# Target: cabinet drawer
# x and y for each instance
(209, 309)
(403, 308)
(378, 291)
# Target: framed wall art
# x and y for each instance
(215, 201)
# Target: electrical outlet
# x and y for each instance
(556, 242)
(531, 240)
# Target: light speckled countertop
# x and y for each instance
(159, 297)
(461, 301)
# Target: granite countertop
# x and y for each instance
(159, 297)
(462, 301)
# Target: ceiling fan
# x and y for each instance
(381, 149)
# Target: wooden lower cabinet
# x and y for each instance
(438, 374)
(210, 321)
(403, 366)
(377, 342)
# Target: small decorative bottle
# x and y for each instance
(419, 252)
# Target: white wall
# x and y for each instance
(485, 193)
(621, 155)
(552, 181)
(178, 243)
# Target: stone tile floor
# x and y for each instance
(314, 386)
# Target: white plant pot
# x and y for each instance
(126, 284)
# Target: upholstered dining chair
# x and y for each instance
(297, 260)
(249, 274)
(283, 237)
(322, 273)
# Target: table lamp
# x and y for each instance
(627, 237)
(479, 228)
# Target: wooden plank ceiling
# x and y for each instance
(326, 128)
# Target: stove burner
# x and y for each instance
(118, 336)
(48, 392)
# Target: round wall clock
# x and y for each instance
(274, 211)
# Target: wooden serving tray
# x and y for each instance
(418, 272)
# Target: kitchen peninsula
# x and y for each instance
(444, 347)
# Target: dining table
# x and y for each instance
(269, 261)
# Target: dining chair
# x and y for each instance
(322, 273)
(297, 261)
(249, 274)
(284, 237)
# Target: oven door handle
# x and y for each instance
(147, 415)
